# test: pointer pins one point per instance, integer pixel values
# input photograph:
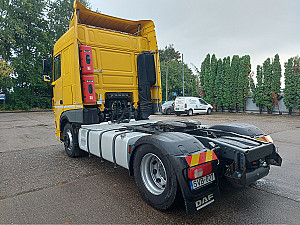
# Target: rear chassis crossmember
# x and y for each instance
(240, 164)
(243, 159)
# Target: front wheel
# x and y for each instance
(71, 146)
(208, 112)
(155, 177)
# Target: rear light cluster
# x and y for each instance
(185, 105)
(199, 171)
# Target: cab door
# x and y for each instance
(197, 106)
(203, 106)
(57, 100)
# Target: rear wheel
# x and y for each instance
(168, 112)
(190, 112)
(208, 112)
(155, 177)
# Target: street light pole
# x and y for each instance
(167, 80)
(182, 75)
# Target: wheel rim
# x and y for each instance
(153, 174)
(69, 140)
(190, 112)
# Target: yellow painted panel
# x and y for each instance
(143, 43)
(57, 91)
(66, 67)
(95, 59)
(91, 35)
(64, 41)
(134, 43)
(81, 32)
(67, 93)
(116, 61)
(120, 80)
(113, 39)
(96, 79)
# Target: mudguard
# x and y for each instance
(176, 147)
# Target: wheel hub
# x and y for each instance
(153, 174)
(69, 140)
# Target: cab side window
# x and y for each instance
(202, 102)
(57, 67)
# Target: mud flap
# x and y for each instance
(195, 204)
(274, 159)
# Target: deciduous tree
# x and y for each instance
(5, 76)
(170, 58)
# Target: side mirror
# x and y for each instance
(46, 78)
(46, 66)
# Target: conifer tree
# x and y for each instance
(290, 90)
(267, 84)
(206, 87)
(258, 90)
(212, 79)
(243, 82)
(297, 72)
(227, 89)
(234, 74)
(202, 73)
(219, 86)
(276, 72)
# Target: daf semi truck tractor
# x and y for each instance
(106, 83)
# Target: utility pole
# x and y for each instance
(167, 80)
(4, 103)
(182, 75)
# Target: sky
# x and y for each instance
(259, 28)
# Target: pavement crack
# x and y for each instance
(28, 149)
(45, 187)
(270, 192)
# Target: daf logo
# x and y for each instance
(206, 200)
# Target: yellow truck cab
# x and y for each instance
(104, 69)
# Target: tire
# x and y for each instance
(155, 177)
(208, 112)
(168, 112)
(190, 112)
(71, 148)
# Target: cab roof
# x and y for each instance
(91, 18)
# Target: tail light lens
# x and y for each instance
(199, 171)
(185, 105)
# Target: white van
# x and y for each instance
(191, 105)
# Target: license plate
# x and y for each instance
(202, 181)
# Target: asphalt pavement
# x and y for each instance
(40, 184)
